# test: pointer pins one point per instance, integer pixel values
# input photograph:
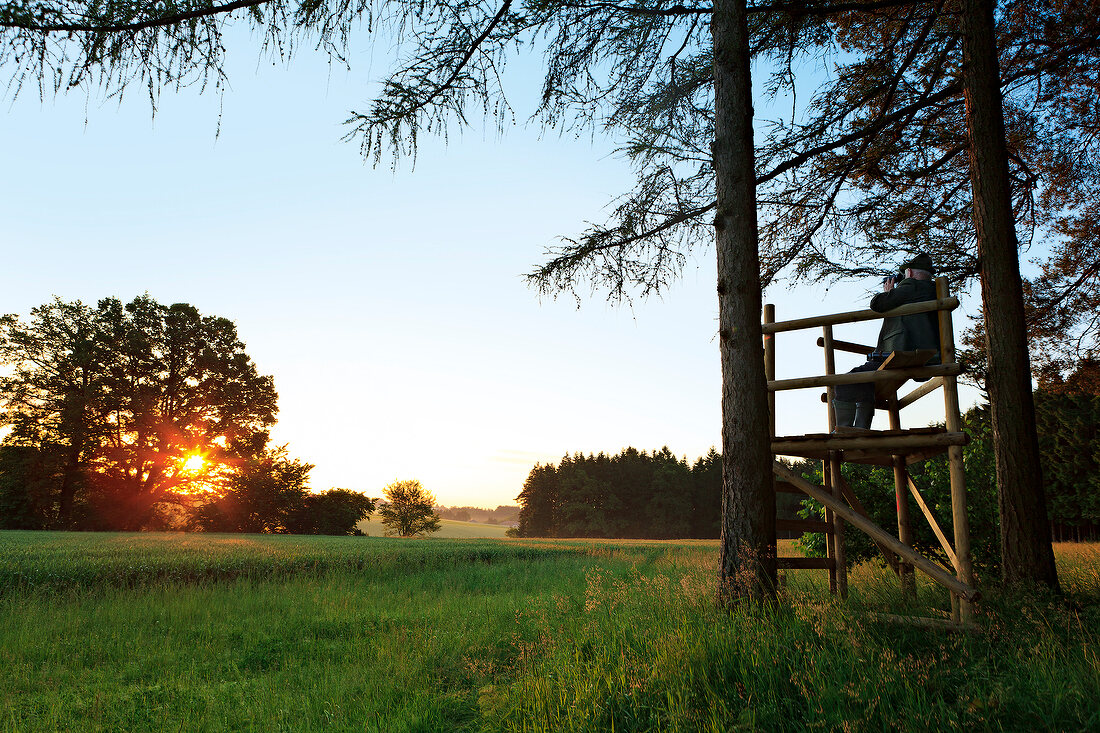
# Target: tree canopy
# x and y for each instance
(130, 405)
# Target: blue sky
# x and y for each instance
(389, 306)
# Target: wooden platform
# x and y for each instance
(875, 447)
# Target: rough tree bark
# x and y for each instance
(747, 564)
(1025, 536)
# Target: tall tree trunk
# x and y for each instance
(1025, 536)
(747, 564)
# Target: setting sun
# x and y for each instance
(194, 462)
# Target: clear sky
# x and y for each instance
(389, 306)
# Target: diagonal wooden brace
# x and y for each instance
(933, 523)
(878, 534)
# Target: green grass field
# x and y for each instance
(451, 529)
(135, 632)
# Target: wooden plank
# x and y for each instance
(868, 457)
(893, 376)
(802, 525)
(848, 346)
(955, 455)
(842, 431)
(834, 319)
(853, 500)
(886, 443)
(805, 563)
(896, 363)
(933, 570)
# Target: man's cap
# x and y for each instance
(920, 262)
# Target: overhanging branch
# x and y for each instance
(7, 21)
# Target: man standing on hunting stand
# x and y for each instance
(854, 404)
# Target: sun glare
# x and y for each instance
(194, 462)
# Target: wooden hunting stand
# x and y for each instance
(895, 447)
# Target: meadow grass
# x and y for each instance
(208, 632)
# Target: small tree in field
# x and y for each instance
(409, 511)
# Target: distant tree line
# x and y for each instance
(145, 416)
(633, 494)
(503, 514)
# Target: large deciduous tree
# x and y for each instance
(131, 400)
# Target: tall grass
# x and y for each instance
(144, 632)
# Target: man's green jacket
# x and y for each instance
(908, 333)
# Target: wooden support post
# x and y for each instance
(830, 537)
(833, 546)
(965, 570)
(838, 529)
(901, 496)
(769, 362)
(769, 374)
(830, 368)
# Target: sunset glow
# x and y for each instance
(194, 462)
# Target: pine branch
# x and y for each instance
(8, 19)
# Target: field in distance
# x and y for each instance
(449, 529)
(157, 631)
